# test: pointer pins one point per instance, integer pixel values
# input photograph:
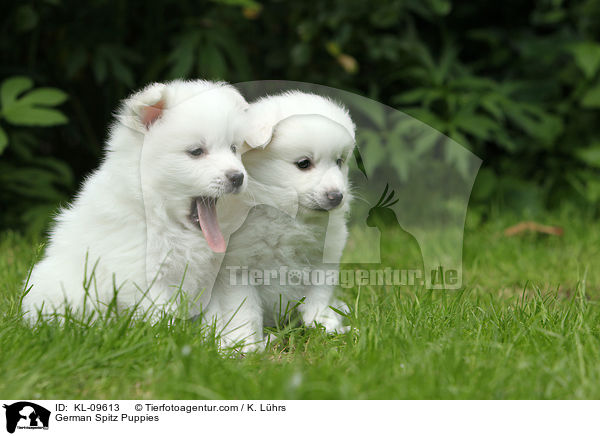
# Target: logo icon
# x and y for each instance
(26, 415)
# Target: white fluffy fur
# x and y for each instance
(283, 229)
(131, 219)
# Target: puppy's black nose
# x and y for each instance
(235, 177)
(334, 197)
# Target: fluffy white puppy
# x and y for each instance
(144, 225)
(293, 237)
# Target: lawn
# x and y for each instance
(525, 325)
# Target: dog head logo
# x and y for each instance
(26, 415)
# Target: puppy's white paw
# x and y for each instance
(270, 339)
(240, 348)
(342, 330)
(332, 325)
(252, 348)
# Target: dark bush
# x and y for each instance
(518, 82)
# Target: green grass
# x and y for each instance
(526, 325)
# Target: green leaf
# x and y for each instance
(591, 99)
(399, 163)
(536, 122)
(21, 115)
(427, 117)
(372, 150)
(3, 140)
(440, 7)
(590, 156)
(426, 140)
(235, 53)
(121, 71)
(44, 97)
(64, 176)
(445, 64)
(485, 184)
(373, 111)
(458, 156)
(182, 57)
(300, 54)
(506, 141)
(477, 125)
(12, 87)
(22, 112)
(474, 83)
(26, 18)
(418, 95)
(587, 57)
(99, 67)
(458, 138)
(490, 104)
(211, 63)
(246, 3)
(75, 61)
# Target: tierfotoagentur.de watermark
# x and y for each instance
(346, 278)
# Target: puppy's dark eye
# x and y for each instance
(196, 152)
(233, 148)
(304, 164)
(339, 162)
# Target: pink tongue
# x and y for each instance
(207, 215)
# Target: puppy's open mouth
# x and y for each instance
(204, 214)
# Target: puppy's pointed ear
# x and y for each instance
(245, 147)
(144, 108)
(151, 113)
(259, 125)
(259, 136)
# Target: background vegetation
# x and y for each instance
(518, 82)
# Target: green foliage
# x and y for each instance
(32, 109)
(518, 83)
(30, 182)
(587, 57)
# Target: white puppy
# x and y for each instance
(299, 186)
(144, 225)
